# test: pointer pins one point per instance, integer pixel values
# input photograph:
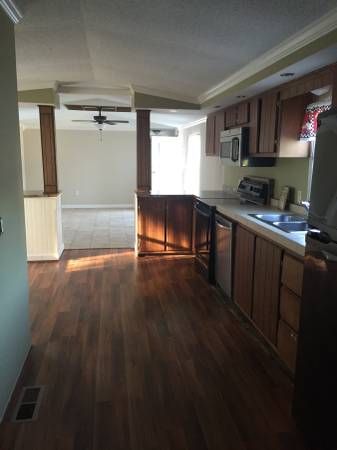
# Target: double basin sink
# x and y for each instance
(289, 223)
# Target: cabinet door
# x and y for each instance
(287, 345)
(268, 123)
(242, 113)
(219, 126)
(291, 119)
(179, 224)
(230, 118)
(151, 224)
(244, 269)
(267, 273)
(210, 135)
(254, 126)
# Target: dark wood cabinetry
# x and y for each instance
(210, 135)
(214, 125)
(267, 272)
(179, 224)
(165, 224)
(237, 115)
(151, 224)
(268, 127)
(244, 269)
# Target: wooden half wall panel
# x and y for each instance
(48, 144)
(143, 150)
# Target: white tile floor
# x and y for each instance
(98, 228)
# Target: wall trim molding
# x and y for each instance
(12, 11)
(47, 257)
(308, 35)
(193, 124)
(98, 206)
(3, 412)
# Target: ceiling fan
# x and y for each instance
(101, 120)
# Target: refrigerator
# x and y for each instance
(315, 390)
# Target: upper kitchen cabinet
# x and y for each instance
(268, 126)
(237, 115)
(210, 135)
(214, 125)
(291, 118)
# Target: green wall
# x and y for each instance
(287, 172)
(14, 317)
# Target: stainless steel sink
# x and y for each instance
(271, 218)
(290, 223)
(292, 227)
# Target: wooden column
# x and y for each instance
(143, 150)
(334, 86)
(48, 143)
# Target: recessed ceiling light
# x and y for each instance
(173, 110)
(217, 106)
(240, 96)
(287, 74)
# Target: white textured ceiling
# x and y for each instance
(183, 47)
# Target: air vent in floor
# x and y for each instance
(29, 404)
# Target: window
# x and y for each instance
(192, 164)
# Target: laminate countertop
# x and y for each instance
(240, 213)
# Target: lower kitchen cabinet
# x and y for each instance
(287, 345)
(165, 224)
(266, 296)
(244, 269)
(179, 224)
(151, 224)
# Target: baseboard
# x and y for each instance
(93, 206)
(3, 413)
(47, 257)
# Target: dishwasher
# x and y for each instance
(223, 254)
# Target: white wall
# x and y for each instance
(211, 168)
(90, 172)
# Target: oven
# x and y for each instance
(204, 238)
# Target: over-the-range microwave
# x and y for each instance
(234, 149)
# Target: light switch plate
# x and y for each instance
(1, 226)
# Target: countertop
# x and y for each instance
(294, 242)
(202, 194)
(39, 194)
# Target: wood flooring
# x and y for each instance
(143, 354)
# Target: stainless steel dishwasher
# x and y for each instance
(223, 254)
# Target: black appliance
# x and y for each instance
(204, 238)
(315, 394)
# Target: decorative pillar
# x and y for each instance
(48, 144)
(143, 150)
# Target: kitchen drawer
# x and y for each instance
(292, 274)
(290, 305)
(287, 345)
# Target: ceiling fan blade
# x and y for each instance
(113, 122)
(84, 121)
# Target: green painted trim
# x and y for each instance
(308, 50)
(46, 96)
(147, 101)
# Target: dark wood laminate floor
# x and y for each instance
(143, 355)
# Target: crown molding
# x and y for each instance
(12, 11)
(308, 35)
(193, 124)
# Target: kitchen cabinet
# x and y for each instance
(214, 125)
(290, 305)
(179, 224)
(237, 115)
(164, 224)
(268, 127)
(291, 119)
(244, 269)
(287, 345)
(151, 224)
(219, 126)
(210, 135)
(254, 126)
(267, 272)
(292, 274)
